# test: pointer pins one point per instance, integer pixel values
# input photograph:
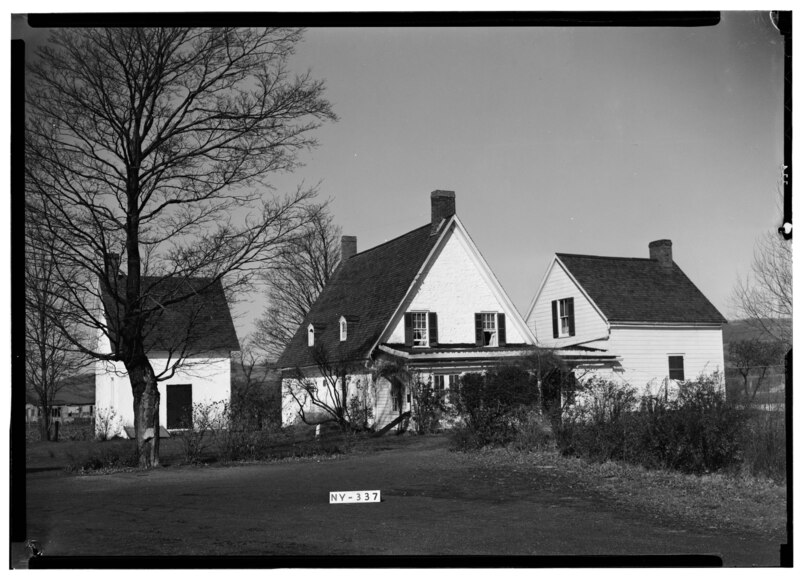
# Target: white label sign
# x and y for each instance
(354, 497)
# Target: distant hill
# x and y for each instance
(742, 330)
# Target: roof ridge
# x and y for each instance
(560, 254)
(358, 254)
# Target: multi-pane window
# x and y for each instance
(564, 317)
(420, 329)
(489, 322)
(438, 383)
(676, 368)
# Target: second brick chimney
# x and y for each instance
(349, 247)
(661, 250)
(443, 205)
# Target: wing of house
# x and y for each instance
(650, 319)
(426, 298)
(197, 328)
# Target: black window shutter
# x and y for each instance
(501, 329)
(409, 329)
(433, 330)
(555, 319)
(571, 309)
(478, 330)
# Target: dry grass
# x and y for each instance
(722, 502)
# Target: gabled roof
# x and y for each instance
(369, 285)
(202, 320)
(640, 290)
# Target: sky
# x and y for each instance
(578, 140)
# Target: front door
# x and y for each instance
(179, 406)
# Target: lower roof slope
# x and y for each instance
(202, 320)
(640, 290)
(370, 286)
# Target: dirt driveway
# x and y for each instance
(434, 502)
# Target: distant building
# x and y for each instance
(75, 400)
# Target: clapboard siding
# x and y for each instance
(644, 352)
(383, 404)
(455, 289)
(210, 378)
(589, 325)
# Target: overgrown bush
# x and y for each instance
(106, 423)
(764, 446)
(489, 404)
(207, 422)
(697, 432)
(428, 406)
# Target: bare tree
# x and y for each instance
(49, 358)
(255, 389)
(329, 393)
(296, 280)
(755, 356)
(764, 297)
(156, 144)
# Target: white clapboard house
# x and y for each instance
(642, 320)
(199, 330)
(426, 299)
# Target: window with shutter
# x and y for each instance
(417, 334)
(564, 318)
(433, 329)
(487, 329)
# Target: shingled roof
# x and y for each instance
(203, 320)
(640, 290)
(369, 285)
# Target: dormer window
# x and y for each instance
(310, 335)
(342, 329)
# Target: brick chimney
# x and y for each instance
(349, 247)
(443, 205)
(661, 250)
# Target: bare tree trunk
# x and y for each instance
(146, 405)
(44, 422)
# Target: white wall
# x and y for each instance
(589, 325)
(454, 288)
(359, 385)
(210, 377)
(644, 352)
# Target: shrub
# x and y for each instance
(488, 402)
(532, 430)
(122, 455)
(106, 423)
(428, 407)
(696, 432)
(207, 423)
(360, 414)
(764, 446)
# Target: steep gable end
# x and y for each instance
(456, 283)
(589, 324)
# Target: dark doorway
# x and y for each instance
(179, 406)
